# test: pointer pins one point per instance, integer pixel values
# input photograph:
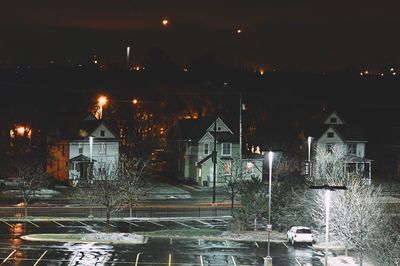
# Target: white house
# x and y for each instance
(337, 132)
(92, 141)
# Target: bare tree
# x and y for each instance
(31, 178)
(104, 187)
(358, 217)
(132, 172)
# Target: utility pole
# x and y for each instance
(214, 157)
(240, 130)
(128, 50)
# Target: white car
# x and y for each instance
(300, 234)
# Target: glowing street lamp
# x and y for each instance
(165, 22)
(268, 259)
(101, 101)
(135, 101)
(309, 168)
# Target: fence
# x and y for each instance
(100, 212)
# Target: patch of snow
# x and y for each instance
(115, 237)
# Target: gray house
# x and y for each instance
(192, 142)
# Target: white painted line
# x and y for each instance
(10, 225)
(219, 220)
(200, 221)
(137, 259)
(73, 259)
(201, 260)
(156, 223)
(132, 223)
(82, 223)
(170, 241)
(12, 253)
(169, 260)
(57, 223)
(283, 243)
(44, 253)
(233, 260)
(33, 224)
(298, 262)
(256, 244)
(186, 225)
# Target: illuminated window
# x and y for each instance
(249, 167)
(226, 149)
(227, 168)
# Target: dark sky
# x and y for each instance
(304, 34)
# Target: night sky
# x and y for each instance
(300, 34)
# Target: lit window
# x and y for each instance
(206, 148)
(227, 168)
(226, 148)
(250, 167)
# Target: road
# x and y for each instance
(157, 251)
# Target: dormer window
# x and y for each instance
(102, 133)
(333, 120)
(330, 135)
(206, 148)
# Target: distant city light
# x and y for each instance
(95, 61)
(185, 69)
(262, 71)
(392, 69)
(165, 22)
(135, 101)
(21, 130)
(366, 72)
(102, 100)
(239, 31)
(394, 73)
(382, 74)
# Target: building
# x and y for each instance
(335, 131)
(192, 143)
(92, 141)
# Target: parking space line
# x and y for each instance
(73, 259)
(137, 259)
(10, 225)
(200, 221)
(9, 256)
(132, 223)
(33, 224)
(112, 225)
(186, 225)
(298, 262)
(233, 260)
(36, 263)
(256, 244)
(82, 223)
(156, 223)
(223, 221)
(170, 241)
(57, 223)
(283, 243)
(201, 260)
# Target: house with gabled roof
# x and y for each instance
(336, 131)
(92, 144)
(192, 142)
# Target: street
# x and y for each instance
(157, 251)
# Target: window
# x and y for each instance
(218, 128)
(80, 148)
(329, 147)
(352, 148)
(103, 148)
(330, 135)
(102, 133)
(227, 168)
(333, 120)
(206, 148)
(249, 167)
(226, 148)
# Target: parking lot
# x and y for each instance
(157, 251)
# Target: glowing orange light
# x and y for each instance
(135, 101)
(239, 31)
(165, 22)
(21, 130)
(102, 100)
(262, 71)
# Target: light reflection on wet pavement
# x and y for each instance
(158, 251)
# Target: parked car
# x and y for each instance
(300, 234)
(12, 182)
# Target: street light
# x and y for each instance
(309, 168)
(268, 259)
(327, 199)
(101, 101)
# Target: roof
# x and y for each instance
(81, 158)
(350, 133)
(87, 126)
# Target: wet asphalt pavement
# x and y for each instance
(157, 251)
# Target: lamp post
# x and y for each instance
(327, 199)
(309, 168)
(101, 101)
(268, 259)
